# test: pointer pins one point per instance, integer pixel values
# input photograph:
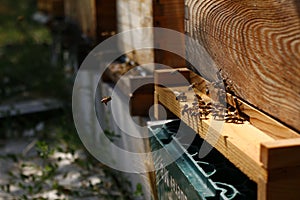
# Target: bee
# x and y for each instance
(192, 86)
(185, 109)
(106, 99)
(180, 96)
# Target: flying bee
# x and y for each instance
(106, 99)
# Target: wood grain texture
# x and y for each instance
(238, 143)
(281, 159)
(257, 46)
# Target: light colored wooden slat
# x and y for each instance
(171, 77)
(256, 44)
(240, 143)
(264, 122)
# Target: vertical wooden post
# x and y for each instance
(168, 14)
(281, 158)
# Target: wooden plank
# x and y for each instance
(281, 154)
(240, 143)
(139, 88)
(287, 188)
(168, 14)
(163, 13)
(256, 44)
(281, 159)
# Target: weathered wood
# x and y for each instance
(140, 89)
(163, 13)
(240, 143)
(281, 154)
(132, 15)
(172, 77)
(281, 159)
(257, 46)
(140, 103)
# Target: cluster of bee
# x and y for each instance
(218, 111)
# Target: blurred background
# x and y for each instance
(41, 156)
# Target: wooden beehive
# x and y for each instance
(262, 148)
(257, 46)
(96, 18)
(162, 13)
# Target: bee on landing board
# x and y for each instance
(105, 100)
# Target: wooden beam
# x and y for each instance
(256, 44)
(260, 120)
(281, 154)
(281, 160)
(240, 143)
